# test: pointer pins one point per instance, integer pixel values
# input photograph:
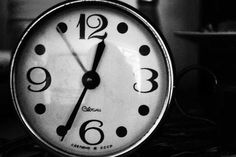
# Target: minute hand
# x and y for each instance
(98, 55)
(71, 119)
(90, 75)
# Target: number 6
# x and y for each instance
(83, 131)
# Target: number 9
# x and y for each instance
(47, 79)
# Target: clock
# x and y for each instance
(91, 78)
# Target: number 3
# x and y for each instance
(151, 80)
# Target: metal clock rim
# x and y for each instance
(124, 8)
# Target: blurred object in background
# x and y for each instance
(220, 14)
(3, 27)
(15, 16)
(150, 9)
(133, 3)
(21, 13)
(5, 58)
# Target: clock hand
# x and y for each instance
(90, 80)
(98, 55)
(62, 130)
(71, 49)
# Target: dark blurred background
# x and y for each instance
(201, 35)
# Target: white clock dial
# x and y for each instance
(91, 78)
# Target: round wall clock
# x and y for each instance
(91, 78)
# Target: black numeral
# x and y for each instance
(84, 129)
(101, 25)
(81, 25)
(46, 81)
(151, 80)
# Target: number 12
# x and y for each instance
(83, 22)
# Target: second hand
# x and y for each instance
(59, 30)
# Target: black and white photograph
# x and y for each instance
(117, 78)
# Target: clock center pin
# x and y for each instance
(91, 79)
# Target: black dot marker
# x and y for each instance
(121, 131)
(40, 108)
(122, 27)
(143, 110)
(39, 49)
(61, 27)
(144, 50)
(61, 130)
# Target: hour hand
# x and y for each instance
(61, 29)
(98, 55)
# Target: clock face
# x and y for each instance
(91, 78)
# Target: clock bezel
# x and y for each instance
(116, 5)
